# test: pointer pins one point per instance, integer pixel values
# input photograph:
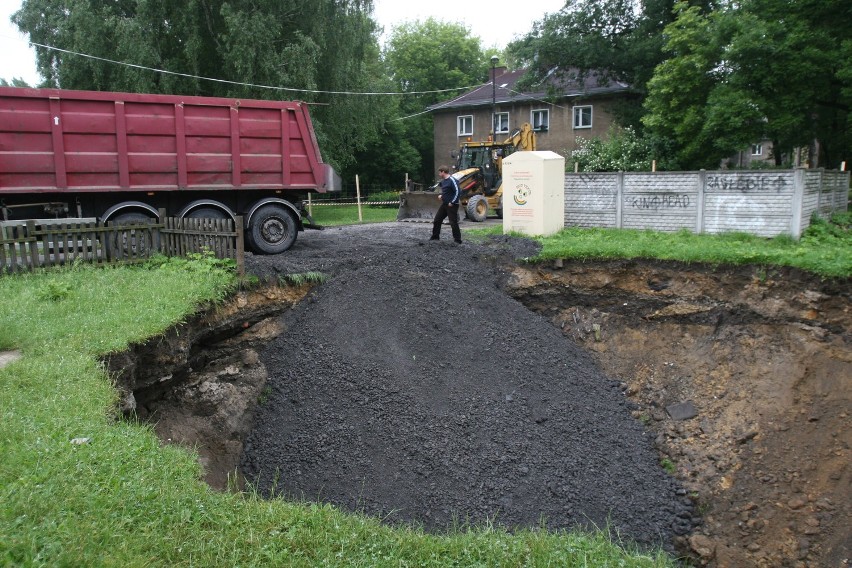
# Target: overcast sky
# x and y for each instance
(18, 59)
(489, 20)
(495, 26)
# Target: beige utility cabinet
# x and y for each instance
(534, 193)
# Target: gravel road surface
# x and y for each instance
(411, 386)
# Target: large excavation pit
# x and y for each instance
(702, 408)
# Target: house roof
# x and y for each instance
(563, 85)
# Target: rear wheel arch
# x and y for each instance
(269, 201)
(207, 208)
(130, 210)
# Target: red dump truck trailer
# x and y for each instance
(122, 157)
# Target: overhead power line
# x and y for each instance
(243, 84)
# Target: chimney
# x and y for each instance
(495, 72)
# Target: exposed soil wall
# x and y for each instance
(414, 386)
(761, 362)
(200, 382)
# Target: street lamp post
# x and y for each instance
(494, 60)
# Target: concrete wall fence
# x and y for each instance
(761, 202)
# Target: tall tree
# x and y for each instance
(677, 100)
(758, 69)
(16, 82)
(431, 56)
(325, 45)
(619, 40)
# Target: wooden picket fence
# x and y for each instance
(34, 244)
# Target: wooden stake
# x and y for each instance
(310, 209)
(843, 166)
(653, 165)
(358, 198)
(576, 167)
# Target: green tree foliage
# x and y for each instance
(16, 82)
(324, 45)
(584, 34)
(778, 70)
(620, 40)
(678, 91)
(431, 56)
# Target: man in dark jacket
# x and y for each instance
(450, 194)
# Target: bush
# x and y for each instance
(622, 151)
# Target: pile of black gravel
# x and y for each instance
(410, 386)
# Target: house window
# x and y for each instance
(583, 116)
(541, 120)
(465, 125)
(757, 149)
(501, 122)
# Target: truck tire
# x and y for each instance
(207, 213)
(477, 208)
(273, 230)
(132, 244)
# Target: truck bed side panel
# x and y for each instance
(79, 141)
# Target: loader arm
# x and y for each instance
(522, 138)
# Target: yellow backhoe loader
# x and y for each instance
(479, 171)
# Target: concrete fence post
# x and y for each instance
(699, 202)
(619, 200)
(797, 203)
(819, 197)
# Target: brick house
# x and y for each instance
(559, 110)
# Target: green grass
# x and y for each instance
(332, 215)
(124, 499)
(824, 249)
(303, 278)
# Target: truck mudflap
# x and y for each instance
(309, 223)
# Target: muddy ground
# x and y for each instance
(432, 383)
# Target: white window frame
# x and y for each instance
(544, 124)
(757, 149)
(578, 116)
(494, 118)
(461, 122)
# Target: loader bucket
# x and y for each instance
(420, 207)
(417, 206)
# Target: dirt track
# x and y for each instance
(380, 398)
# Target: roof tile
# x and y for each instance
(566, 84)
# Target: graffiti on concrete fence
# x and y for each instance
(659, 201)
(607, 194)
(746, 183)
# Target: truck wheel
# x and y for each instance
(272, 231)
(207, 213)
(131, 243)
(477, 208)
